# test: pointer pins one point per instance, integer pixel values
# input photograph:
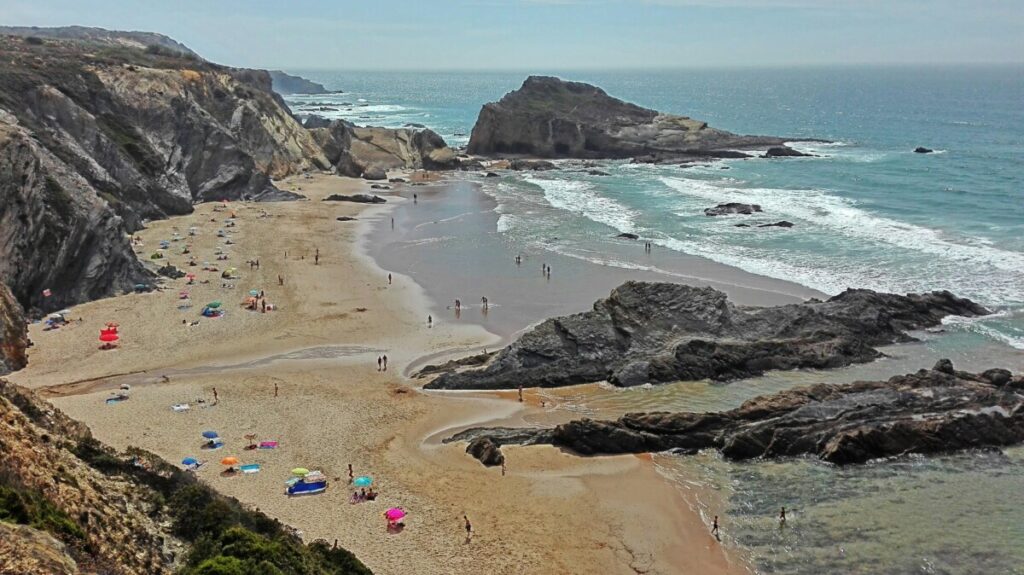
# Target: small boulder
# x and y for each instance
(357, 198)
(783, 152)
(380, 187)
(375, 173)
(997, 376)
(491, 175)
(628, 236)
(732, 208)
(398, 180)
(923, 150)
(531, 165)
(944, 366)
(486, 451)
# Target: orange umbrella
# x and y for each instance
(229, 461)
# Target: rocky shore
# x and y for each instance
(551, 118)
(930, 411)
(661, 332)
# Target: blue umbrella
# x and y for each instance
(362, 481)
(189, 461)
(210, 434)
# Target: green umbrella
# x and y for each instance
(213, 304)
(254, 293)
(300, 471)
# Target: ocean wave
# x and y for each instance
(840, 215)
(1003, 326)
(582, 198)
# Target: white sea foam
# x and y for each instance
(582, 198)
(983, 326)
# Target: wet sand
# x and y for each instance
(552, 513)
(447, 241)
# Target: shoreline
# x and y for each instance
(318, 348)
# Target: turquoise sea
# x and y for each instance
(867, 212)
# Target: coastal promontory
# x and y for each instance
(552, 118)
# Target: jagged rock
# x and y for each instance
(660, 332)
(732, 208)
(375, 173)
(491, 175)
(486, 451)
(170, 271)
(30, 551)
(313, 122)
(357, 198)
(531, 165)
(782, 224)
(470, 164)
(923, 150)
(929, 411)
(13, 333)
(628, 236)
(287, 84)
(551, 118)
(784, 152)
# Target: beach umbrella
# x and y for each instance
(300, 471)
(394, 514)
(210, 434)
(363, 481)
(230, 460)
(254, 292)
(189, 461)
(213, 304)
(108, 337)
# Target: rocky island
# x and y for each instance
(930, 411)
(551, 118)
(659, 332)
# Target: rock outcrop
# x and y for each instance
(551, 118)
(97, 136)
(923, 150)
(930, 411)
(13, 333)
(370, 152)
(782, 224)
(356, 198)
(785, 152)
(732, 208)
(288, 84)
(660, 332)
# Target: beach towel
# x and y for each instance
(181, 407)
(268, 444)
(250, 468)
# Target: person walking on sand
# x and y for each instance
(316, 258)
(215, 399)
(469, 528)
(389, 279)
(351, 476)
(714, 527)
(385, 358)
(280, 280)
(520, 394)
(782, 518)
(430, 321)
(415, 198)
(379, 362)
(275, 389)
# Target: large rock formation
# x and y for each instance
(551, 118)
(660, 332)
(370, 152)
(925, 412)
(287, 84)
(97, 136)
(69, 505)
(13, 333)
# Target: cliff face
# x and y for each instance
(97, 137)
(288, 84)
(13, 333)
(551, 118)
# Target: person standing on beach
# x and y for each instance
(520, 394)
(469, 528)
(415, 198)
(215, 399)
(389, 279)
(316, 258)
(275, 389)
(430, 321)
(782, 518)
(280, 280)
(379, 362)
(351, 476)
(714, 528)
(385, 358)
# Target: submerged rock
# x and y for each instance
(531, 165)
(923, 150)
(552, 118)
(732, 208)
(929, 411)
(784, 152)
(782, 224)
(660, 332)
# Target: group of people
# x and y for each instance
(716, 531)
(363, 495)
(382, 363)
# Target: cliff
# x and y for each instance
(662, 332)
(98, 135)
(13, 333)
(284, 83)
(70, 505)
(551, 118)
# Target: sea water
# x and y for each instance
(867, 212)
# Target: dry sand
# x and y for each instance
(552, 513)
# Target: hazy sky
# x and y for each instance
(557, 34)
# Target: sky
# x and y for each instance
(558, 34)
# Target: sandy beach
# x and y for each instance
(551, 513)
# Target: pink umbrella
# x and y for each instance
(394, 514)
